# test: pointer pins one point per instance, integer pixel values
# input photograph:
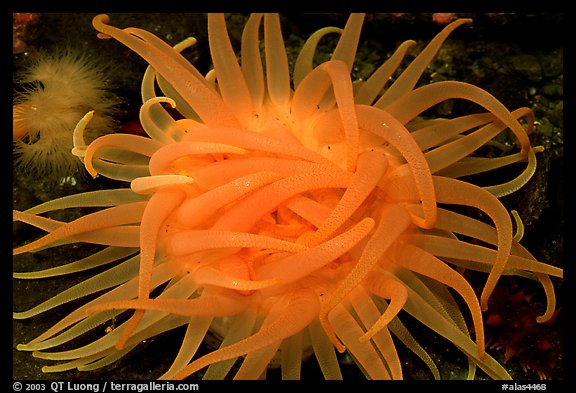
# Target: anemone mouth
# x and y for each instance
(287, 219)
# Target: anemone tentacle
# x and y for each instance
(288, 215)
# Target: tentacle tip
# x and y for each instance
(101, 19)
(189, 41)
(100, 22)
(90, 311)
(427, 223)
(18, 315)
(363, 339)
(79, 152)
(481, 353)
(484, 297)
(543, 318)
(120, 344)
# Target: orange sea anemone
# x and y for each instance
(58, 90)
(288, 216)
